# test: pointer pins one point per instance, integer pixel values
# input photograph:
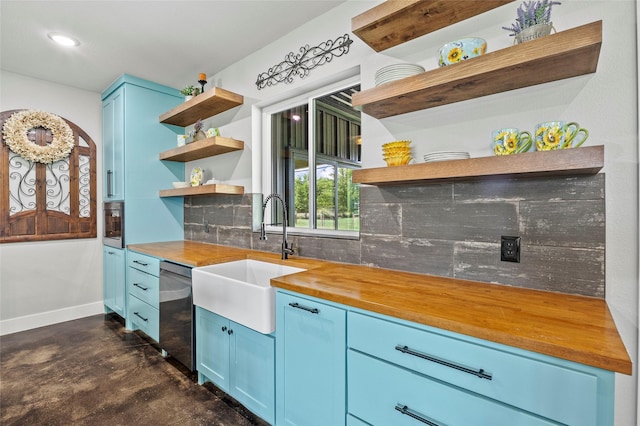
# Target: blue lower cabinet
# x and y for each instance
(238, 360)
(310, 362)
(385, 394)
(114, 286)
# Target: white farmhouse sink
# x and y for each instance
(240, 291)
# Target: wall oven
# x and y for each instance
(113, 234)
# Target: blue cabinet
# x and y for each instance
(397, 372)
(310, 362)
(132, 139)
(143, 294)
(114, 280)
(238, 360)
(113, 146)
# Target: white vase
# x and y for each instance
(188, 97)
(533, 32)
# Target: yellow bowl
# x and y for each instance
(396, 144)
(398, 161)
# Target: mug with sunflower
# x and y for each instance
(510, 141)
(559, 135)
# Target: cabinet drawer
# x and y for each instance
(144, 286)
(384, 394)
(144, 317)
(529, 381)
(148, 264)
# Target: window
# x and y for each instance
(313, 174)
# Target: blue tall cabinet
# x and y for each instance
(132, 139)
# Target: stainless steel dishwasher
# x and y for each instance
(177, 336)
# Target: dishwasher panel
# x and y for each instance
(177, 336)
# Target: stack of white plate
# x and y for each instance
(396, 72)
(445, 156)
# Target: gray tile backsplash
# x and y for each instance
(449, 229)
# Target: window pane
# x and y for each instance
(290, 144)
(301, 194)
(325, 196)
(348, 201)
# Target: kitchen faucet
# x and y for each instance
(286, 249)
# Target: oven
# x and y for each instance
(113, 234)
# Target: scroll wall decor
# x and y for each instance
(302, 63)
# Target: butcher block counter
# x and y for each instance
(571, 327)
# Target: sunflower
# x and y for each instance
(511, 143)
(498, 149)
(455, 54)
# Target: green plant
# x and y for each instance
(531, 13)
(188, 91)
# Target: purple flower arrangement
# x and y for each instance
(532, 13)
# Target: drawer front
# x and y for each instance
(142, 262)
(144, 317)
(384, 394)
(144, 286)
(563, 394)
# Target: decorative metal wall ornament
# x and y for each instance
(300, 64)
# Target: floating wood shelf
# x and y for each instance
(395, 22)
(209, 103)
(211, 189)
(576, 161)
(202, 149)
(555, 57)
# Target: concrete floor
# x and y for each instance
(91, 372)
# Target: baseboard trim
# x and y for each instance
(28, 322)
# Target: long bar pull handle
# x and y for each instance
(141, 287)
(140, 263)
(109, 183)
(304, 308)
(141, 317)
(478, 373)
(415, 415)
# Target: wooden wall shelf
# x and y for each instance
(576, 161)
(555, 57)
(202, 149)
(211, 189)
(209, 103)
(395, 22)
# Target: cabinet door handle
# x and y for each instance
(304, 308)
(111, 252)
(230, 332)
(140, 263)
(478, 373)
(109, 184)
(415, 415)
(141, 317)
(141, 287)
(224, 328)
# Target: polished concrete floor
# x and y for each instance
(92, 372)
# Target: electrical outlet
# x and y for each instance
(510, 249)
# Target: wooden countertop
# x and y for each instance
(576, 328)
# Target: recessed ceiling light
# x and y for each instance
(63, 40)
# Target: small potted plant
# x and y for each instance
(533, 20)
(188, 92)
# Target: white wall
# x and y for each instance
(604, 102)
(51, 281)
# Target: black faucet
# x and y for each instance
(286, 249)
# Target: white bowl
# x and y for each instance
(181, 184)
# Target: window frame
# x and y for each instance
(267, 184)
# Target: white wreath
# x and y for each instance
(17, 126)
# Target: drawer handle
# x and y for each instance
(141, 317)
(415, 415)
(478, 373)
(141, 287)
(140, 263)
(224, 328)
(305, 308)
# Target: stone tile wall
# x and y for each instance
(449, 229)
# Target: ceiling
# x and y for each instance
(168, 42)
